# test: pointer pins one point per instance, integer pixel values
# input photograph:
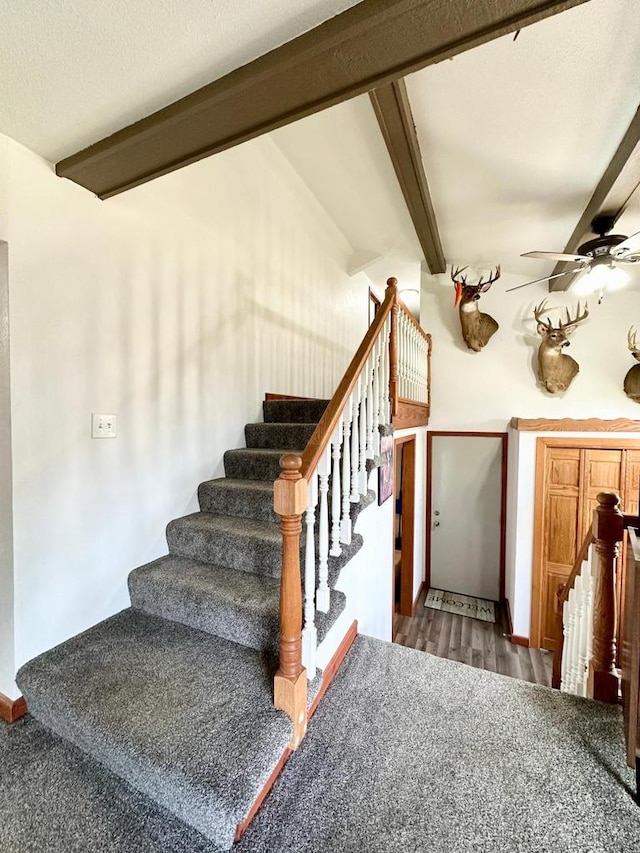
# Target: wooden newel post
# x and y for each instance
(290, 683)
(608, 530)
(392, 289)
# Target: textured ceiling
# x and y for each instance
(74, 71)
(516, 135)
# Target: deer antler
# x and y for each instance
(632, 335)
(538, 311)
(483, 287)
(578, 318)
(456, 276)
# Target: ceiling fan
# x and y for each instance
(603, 253)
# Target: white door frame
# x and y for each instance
(503, 509)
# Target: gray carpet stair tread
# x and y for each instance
(184, 717)
(293, 411)
(238, 498)
(253, 463)
(276, 435)
(247, 545)
(239, 606)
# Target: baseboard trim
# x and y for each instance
(520, 641)
(417, 598)
(327, 677)
(12, 710)
(334, 664)
(507, 608)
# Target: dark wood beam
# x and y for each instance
(610, 198)
(369, 45)
(393, 111)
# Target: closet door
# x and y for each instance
(562, 514)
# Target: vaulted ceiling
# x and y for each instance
(515, 133)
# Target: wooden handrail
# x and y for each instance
(562, 593)
(329, 420)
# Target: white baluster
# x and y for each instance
(370, 406)
(354, 497)
(377, 366)
(564, 670)
(336, 493)
(385, 413)
(309, 632)
(576, 676)
(345, 524)
(585, 625)
(362, 424)
(323, 595)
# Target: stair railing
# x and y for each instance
(413, 351)
(327, 480)
(585, 654)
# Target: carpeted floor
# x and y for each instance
(407, 752)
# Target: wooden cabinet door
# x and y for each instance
(602, 472)
(562, 512)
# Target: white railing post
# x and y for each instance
(354, 497)
(309, 632)
(345, 524)
(336, 493)
(323, 594)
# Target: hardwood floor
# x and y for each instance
(470, 641)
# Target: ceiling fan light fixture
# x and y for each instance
(601, 275)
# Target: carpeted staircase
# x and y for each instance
(174, 694)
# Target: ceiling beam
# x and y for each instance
(393, 111)
(368, 45)
(610, 198)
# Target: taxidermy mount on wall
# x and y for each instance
(632, 379)
(477, 328)
(556, 371)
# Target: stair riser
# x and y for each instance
(214, 497)
(247, 466)
(277, 436)
(293, 411)
(243, 553)
(229, 620)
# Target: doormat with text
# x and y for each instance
(465, 605)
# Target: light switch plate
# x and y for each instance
(104, 426)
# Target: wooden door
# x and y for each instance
(573, 477)
(562, 514)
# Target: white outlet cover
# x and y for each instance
(104, 426)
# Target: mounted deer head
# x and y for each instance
(556, 371)
(477, 328)
(632, 379)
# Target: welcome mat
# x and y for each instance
(465, 605)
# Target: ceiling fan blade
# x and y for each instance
(631, 244)
(628, 259)
(557, 256)
(545, 278)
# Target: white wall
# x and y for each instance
(6, 492)
(483, 391)
(176, 306)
